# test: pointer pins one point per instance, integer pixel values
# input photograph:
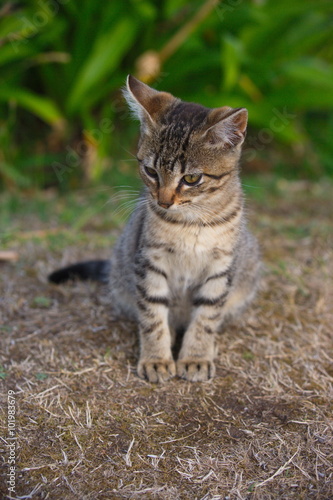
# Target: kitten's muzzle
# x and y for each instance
(166, 197)
(164, 204)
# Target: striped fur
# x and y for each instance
(185, 260)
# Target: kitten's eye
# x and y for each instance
(192, 179)
(151, 172)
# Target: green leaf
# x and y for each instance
(8, 54)
(105, 55)
(251, 487)
(311, 72)
(42, 302)
(3, 373)
(231, 58)
(13, 174)
(40, 106)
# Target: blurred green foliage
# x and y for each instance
(63, 62)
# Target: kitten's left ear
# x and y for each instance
(146, 103)
(228, 127)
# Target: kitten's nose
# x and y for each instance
(164, 204)
(166, 196)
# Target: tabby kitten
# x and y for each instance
(185, 261)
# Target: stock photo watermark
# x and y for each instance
(11, 443)
(265, 136)
(30, 26)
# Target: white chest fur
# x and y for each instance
(189, 254)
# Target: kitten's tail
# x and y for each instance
(96, 270)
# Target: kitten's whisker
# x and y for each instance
(121, 196)
(254, 187)
(131, 154)
(128, 202)
(205, 214)
(128, 206)
(122, 210)
(125, 186)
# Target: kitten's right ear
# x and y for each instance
(147, 104)
(228, 127)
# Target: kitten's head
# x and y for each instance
(187, 153)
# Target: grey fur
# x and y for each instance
(186, 259)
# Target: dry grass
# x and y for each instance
(88, 428)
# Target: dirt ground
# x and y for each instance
(87, 427)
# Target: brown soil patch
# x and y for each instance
(88, 428)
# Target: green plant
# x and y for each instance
(63, 62)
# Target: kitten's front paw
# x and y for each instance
(195, 370)
(156, 371)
